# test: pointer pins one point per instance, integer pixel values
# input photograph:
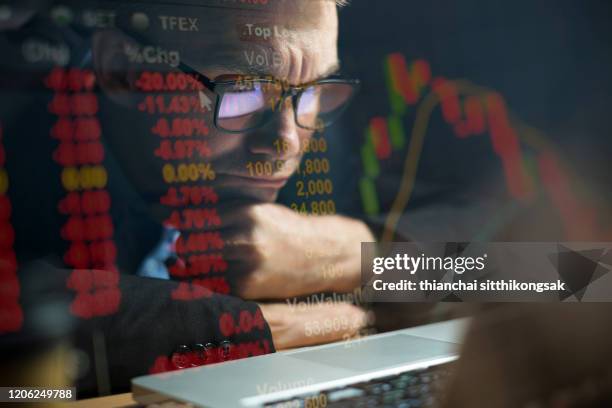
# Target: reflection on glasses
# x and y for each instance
(247, 104)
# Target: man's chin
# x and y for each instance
(247, 194)
(243, 195)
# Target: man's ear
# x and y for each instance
(116, 74)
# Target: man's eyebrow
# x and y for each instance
(332, 70)
(263, 72)
(240, 69)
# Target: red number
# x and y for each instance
(226, 324)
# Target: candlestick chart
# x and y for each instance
(532, 165)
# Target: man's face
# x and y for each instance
(300, 48)
(292, 41)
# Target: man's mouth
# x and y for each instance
(244, 180)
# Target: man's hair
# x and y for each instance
(342, 3)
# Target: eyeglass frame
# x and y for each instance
(293, 91)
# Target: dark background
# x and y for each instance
(550, 60)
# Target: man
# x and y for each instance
(132, 324)
(266, 243)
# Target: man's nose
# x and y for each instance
(280, 138)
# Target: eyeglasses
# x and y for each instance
(248, 103)
(245, 103)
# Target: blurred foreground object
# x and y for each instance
(536, 355)
(40, 353)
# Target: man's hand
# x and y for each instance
(292, 326)
(277, 253)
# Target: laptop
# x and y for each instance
(403, 368)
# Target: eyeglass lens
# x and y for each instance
(245, 107)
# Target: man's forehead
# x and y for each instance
(281, 73)
(278, 42)
(280, 19)
(293, 14)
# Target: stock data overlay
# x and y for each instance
(175, 175)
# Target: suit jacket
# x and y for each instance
(126, 325)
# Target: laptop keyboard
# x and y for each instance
(412, 389)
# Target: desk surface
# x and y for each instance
(119, 400)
